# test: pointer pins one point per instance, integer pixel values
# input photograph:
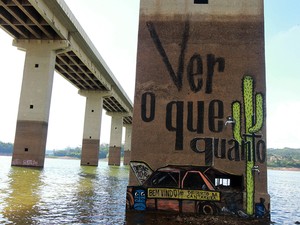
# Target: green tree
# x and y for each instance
(6, 148)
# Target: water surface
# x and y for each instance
(63, 192)
(284, 189)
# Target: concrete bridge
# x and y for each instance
(54, 40)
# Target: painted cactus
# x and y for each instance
(254, 117)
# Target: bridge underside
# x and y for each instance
(50, 25)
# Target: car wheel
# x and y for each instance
(206, 208)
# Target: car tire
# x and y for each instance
(206, 208)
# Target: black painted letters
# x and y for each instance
(195, 64)
(148, 115)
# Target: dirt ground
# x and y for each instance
(173, 219)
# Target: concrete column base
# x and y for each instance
(90, 152)
(126, 157)
(30, 144)
(114, 158)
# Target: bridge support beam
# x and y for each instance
(34, 106)
(127, 145)
(114, 157)
(92, 127)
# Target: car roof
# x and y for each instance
(183, 168)
(203, 169)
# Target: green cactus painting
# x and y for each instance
(253, 108)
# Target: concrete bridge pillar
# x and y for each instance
(92, 127)
(115, 139)
(200, 90)
(34, 106)
(127, 145)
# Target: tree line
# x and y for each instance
(7, 149)
(286, 157)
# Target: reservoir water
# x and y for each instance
(63, 192)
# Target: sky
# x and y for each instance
(112, 26)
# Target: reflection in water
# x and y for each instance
(62, 193)
(21, 203)
(60, 178)
(118, 178)
(86, 195)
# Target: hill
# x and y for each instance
(286, 157)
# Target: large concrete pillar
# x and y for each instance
(114, 157)
(92, 127)
(34, 106)
(127, 144)
(200, 91)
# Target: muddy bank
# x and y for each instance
(158, 218)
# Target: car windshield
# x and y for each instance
(165, 179)
(193, 180)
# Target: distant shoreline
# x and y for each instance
(58, 157)
(106, 159)
(284, 168)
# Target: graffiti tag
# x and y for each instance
(170, 193)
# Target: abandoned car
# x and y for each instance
(199, 189)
